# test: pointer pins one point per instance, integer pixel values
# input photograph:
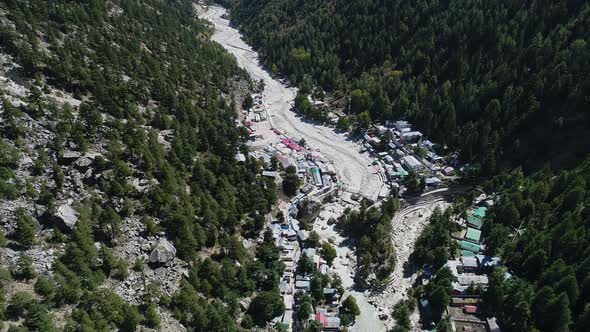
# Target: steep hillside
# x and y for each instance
(540, 226)
(506, 81)
(121, 201)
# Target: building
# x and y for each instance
(488, 262)
(448, 171)
(474, 222)
(302, 285)
(270, 174)
(480, 212)
(317, 177)
(469, 246)
(411, 163)
(473, 235)
(303, 235)
(432, 181)
(400, 125)
(330, 323)
(492, 325)
(411, 137)
(469, 264)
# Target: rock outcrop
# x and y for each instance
(66, 217)
(163, 252)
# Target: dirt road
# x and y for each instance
(352, 166)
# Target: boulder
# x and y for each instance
(163, 252)
(83, 163)
(69, 156)
(66, 217)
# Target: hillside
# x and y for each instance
(549, 252)
(505, 82)
(122, 202)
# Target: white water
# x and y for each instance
(352, 166)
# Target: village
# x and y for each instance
(337, 172)
(395, 150)
(470, 270)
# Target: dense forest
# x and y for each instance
(505, 82)
(540, 226)
(156, 106)
(369, 228)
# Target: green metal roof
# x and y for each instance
(466, 245)
(473, 234)
(475, 222)
(467, 253)
(480, 212)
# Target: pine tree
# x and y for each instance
(25, 229)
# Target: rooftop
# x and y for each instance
(475, 222)
(473, 234)
(466, 245)
(469, 261)
(480, 212)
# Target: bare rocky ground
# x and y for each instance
(408, 224)
(133, 245)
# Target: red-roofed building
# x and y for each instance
(470, 309)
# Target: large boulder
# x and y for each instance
(69, 156)
(66, 217)
(163, 252)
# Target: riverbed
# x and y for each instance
(352, 166)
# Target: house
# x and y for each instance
(330, 323)
(469, 264)
(410, 137)
(311, 253)
(432, 181)
(492, 325)
(331, 295)
(425, 309)
(469, 246)
(474, 222)
(470, 309)
(381, 130)
(468, 280)
(480, 212)
(303, 235)
(473, 235)
(302, 283)
(317, 177)
(433, 157)
(428, 145)
(270, 174)
(488, 262)
(448, 171)
(291, 144)
(240, 157)
(400, 125)
(285, 161)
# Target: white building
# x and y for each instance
(411, 163)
